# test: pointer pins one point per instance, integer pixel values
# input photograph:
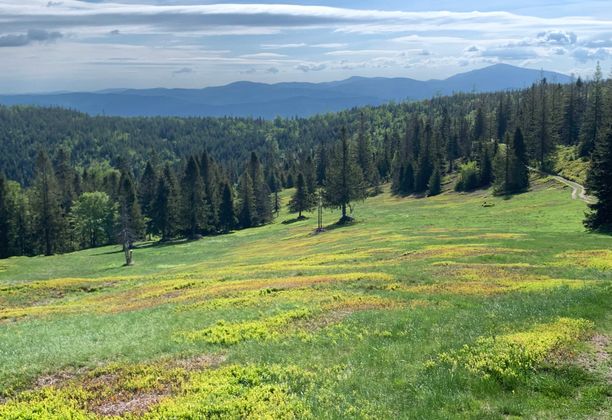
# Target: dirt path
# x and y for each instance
(578, 191)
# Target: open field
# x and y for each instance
(424, 308)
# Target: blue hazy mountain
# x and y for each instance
(283, 99)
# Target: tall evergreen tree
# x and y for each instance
(129, 208)
(344, 182)
(248, 206)
(227, 212)
(5, 218)
(434, 186)
(303, 199)
(165, 206)
(486, 167)
(46, 205)
(147, 190)
(261, 191)
(593, 117)
(599, 183)
(364, 153)
(195, 208)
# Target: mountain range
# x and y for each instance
(249, 99)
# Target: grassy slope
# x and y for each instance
(369, 306)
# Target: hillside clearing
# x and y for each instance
(437, 308)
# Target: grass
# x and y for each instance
(423, 308)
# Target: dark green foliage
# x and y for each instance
(261, 192)
(247, 216)
(344, 183)
(227, 212)
(599, 183)
(195, 210)
(486, 168)
(165, 209)
(5, 218)
(594, 116)
(46, 199)
(435, 182)
(511, 172)
(303, 199)
(147, 191)
(129, 208)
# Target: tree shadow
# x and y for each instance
(297, 219)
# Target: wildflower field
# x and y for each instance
(439, 307)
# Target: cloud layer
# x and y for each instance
(216, 43)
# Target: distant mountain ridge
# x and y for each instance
(250, 99)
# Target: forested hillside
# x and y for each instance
(86, 181)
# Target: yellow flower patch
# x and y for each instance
(600, 259)
(510, 356)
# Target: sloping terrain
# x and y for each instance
(425, 308)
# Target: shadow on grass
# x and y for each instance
(291, 221)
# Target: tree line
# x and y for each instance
(95, 192)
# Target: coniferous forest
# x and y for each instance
(71, 181)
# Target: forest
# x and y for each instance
(71, 181)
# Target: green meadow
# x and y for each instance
(455, 306)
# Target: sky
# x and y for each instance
(70, 45)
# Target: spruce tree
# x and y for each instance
(599, 183)
(165, 206)
(210, 178)
(248, 207)
(486, 168)
(344, 182)
(519, 169)
(227, 212)
(195, 210)
(132, 226)
(46, 200)
(364, 153)
(5, 219)
(435, 182)
(261, 191)
(303, 198)
(147, 190)
(593, 117)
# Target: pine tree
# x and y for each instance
(570, 128)
(132, 226)
(310, 176)
(520, 169)
(65, 176)
(344, 182)
(486, 168)
(364, 153)
(261, 191)
(147, 191)
(303, 199)
(5, 218)
(248, 207)
(227, 212)
(435, 182)
(274, 185)
(195, 208)
(593, 116)
(165, 207)
(46, 205)
(599, 183)
(424, 167)
(210, 178)
(407, 183)
(544, 140)
(322, 163)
